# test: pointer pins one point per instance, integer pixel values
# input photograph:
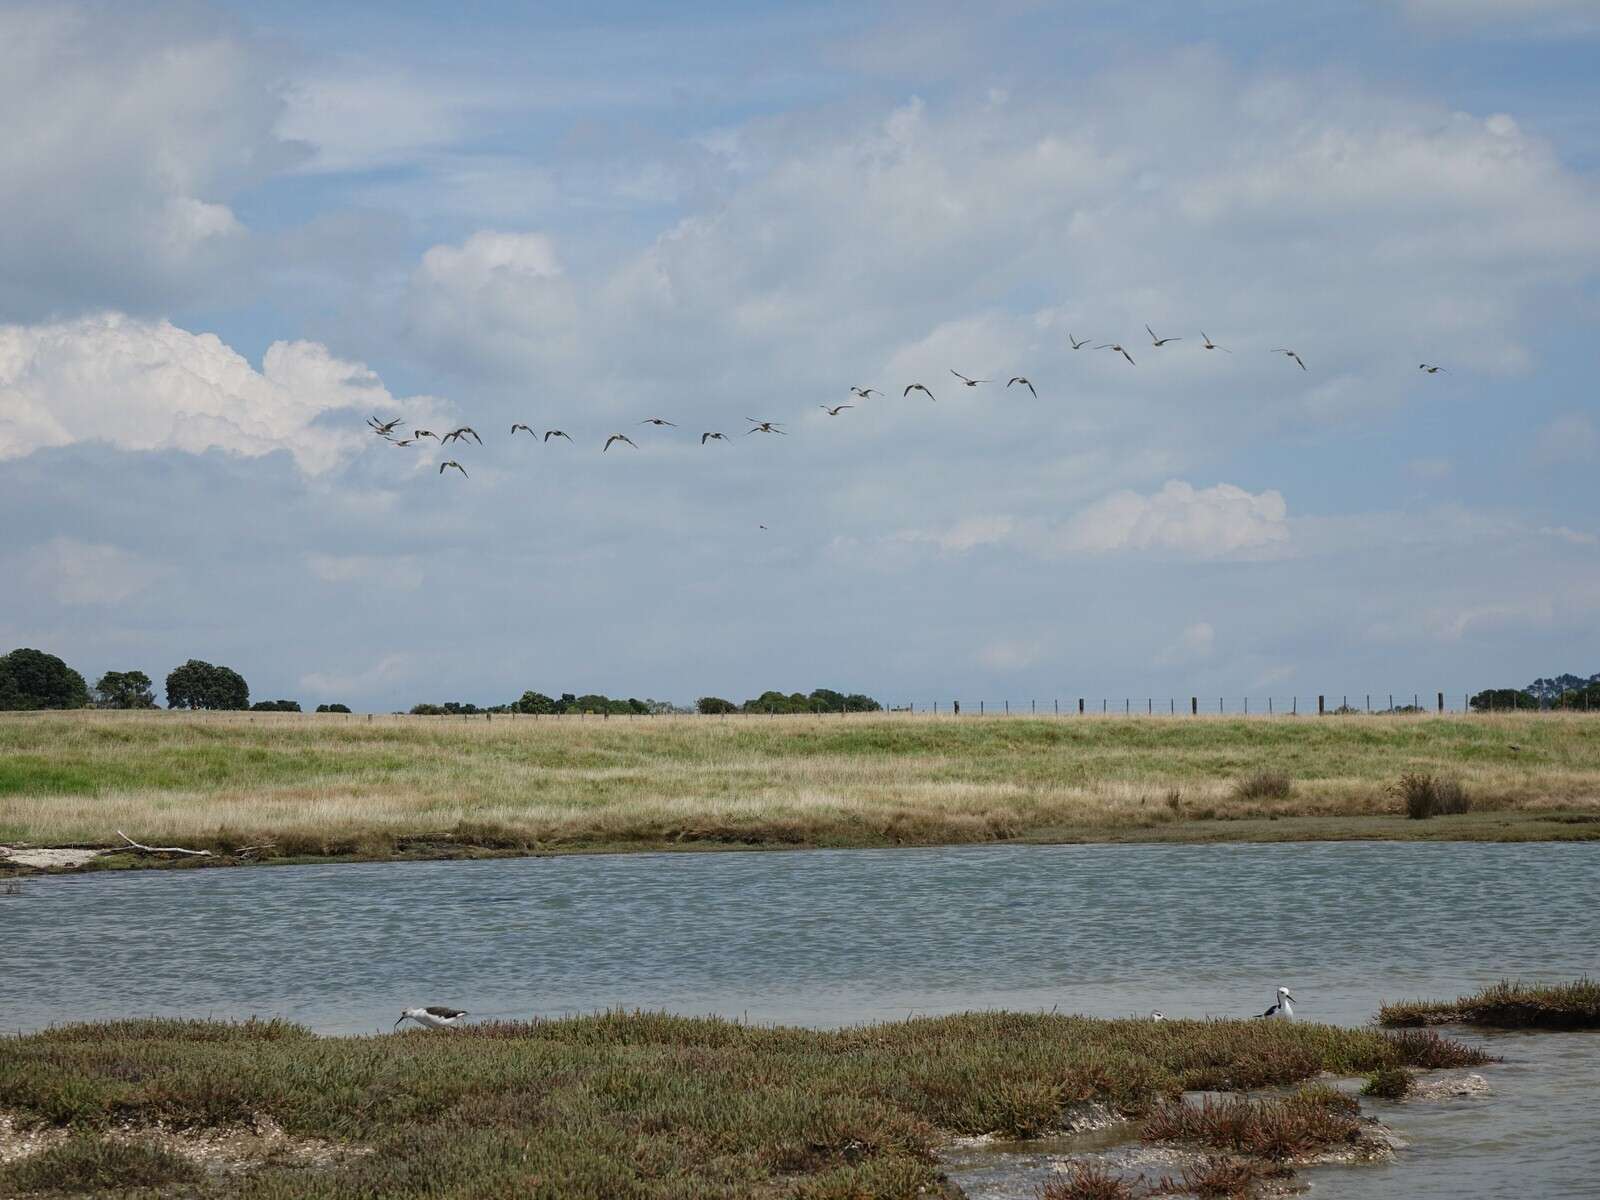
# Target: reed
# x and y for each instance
(331, 785)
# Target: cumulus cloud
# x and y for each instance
(148, 385)
(1568, 438)
(1195, 644)
(1209, 522)
(132, 127)
(399, 572)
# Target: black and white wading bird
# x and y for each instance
(616, 437)
(968, 382)
(452, 463)
(1157, 1015)
(1284, 1008)
(862, 393)
(435, 1016)
(1290, 354)
(550, 433)
(1025, 382)
(917, 387)
(1159, 342)
(1113, 346)
(1208, 344)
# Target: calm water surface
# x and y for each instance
(827, 938)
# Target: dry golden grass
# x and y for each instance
(331, 784)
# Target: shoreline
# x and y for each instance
(19, 861)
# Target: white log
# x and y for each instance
(163, 849)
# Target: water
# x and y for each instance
(828, 938)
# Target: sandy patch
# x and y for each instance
(43, 857)
(229, 1150)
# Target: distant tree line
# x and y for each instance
(32, 679)
(823, 700)
(1560, 691)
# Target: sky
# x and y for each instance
(230, 233)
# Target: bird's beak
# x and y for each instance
(1290, 998)
(397, 1024)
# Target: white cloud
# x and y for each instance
(390, 669)
(1430, 470)
(399, 572)
(1209, 522)
(148, 385)
(1010, 654)
(77, 572)
(1574, 537)
(131, 127)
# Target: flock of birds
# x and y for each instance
(388, 429)
(440, 1016)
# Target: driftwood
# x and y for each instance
(163, 849)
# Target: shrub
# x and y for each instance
(1426, 795)
(87, 1163)
(1388, 1083)
(714, 705)
(1091, 1180)
(333, 708)
(275, 706)
(1264, 785)
(1223, 1177)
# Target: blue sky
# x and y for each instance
(230, 232)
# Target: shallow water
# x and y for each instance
(828, 938)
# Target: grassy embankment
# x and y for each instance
(1507, 1005)
(632, 1105)
(332, 785)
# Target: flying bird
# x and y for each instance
(435, 1016)
(550, 433)
(383, 428)
(968, 382)
(1291, 354)
(1210, 345)
(616, 437)
(763, 426)
(1026, 382)
(405, 442)
(865, 393)
(455, 435)
(1158, 342)
(422, 433)
(917, 387)
(1431, 370)
(524, 428)
(836, 409)
(656, 421)
(714, 437)
(1119, 350)
(1076, 344)
(452, 463)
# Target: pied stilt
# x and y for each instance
(1284, 1008)
(435, 1016)
(1157, 1015)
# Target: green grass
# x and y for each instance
(1507, 1005)
(652, 1105)
(87, 1164)
(345, 786)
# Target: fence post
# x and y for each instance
(1194, 706)
(1247, 706)
(1441, 701)
(1057, 703)
(980, 708)
(1008, 708)
(1319, 706)
(1391, 703)
(1294, 706)
(1080, 706)
(1369, 703)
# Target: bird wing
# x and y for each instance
(439, 1010)
(959, 375)
(1152, 334)
(1129, 357)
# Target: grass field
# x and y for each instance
(398, 786)
(632, 1105)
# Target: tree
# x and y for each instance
(1502, 700)
(535, 703)
(32, 679)
(333, 708)
(715, 705)
(125, 689)
(275, 706)
(199, 684)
